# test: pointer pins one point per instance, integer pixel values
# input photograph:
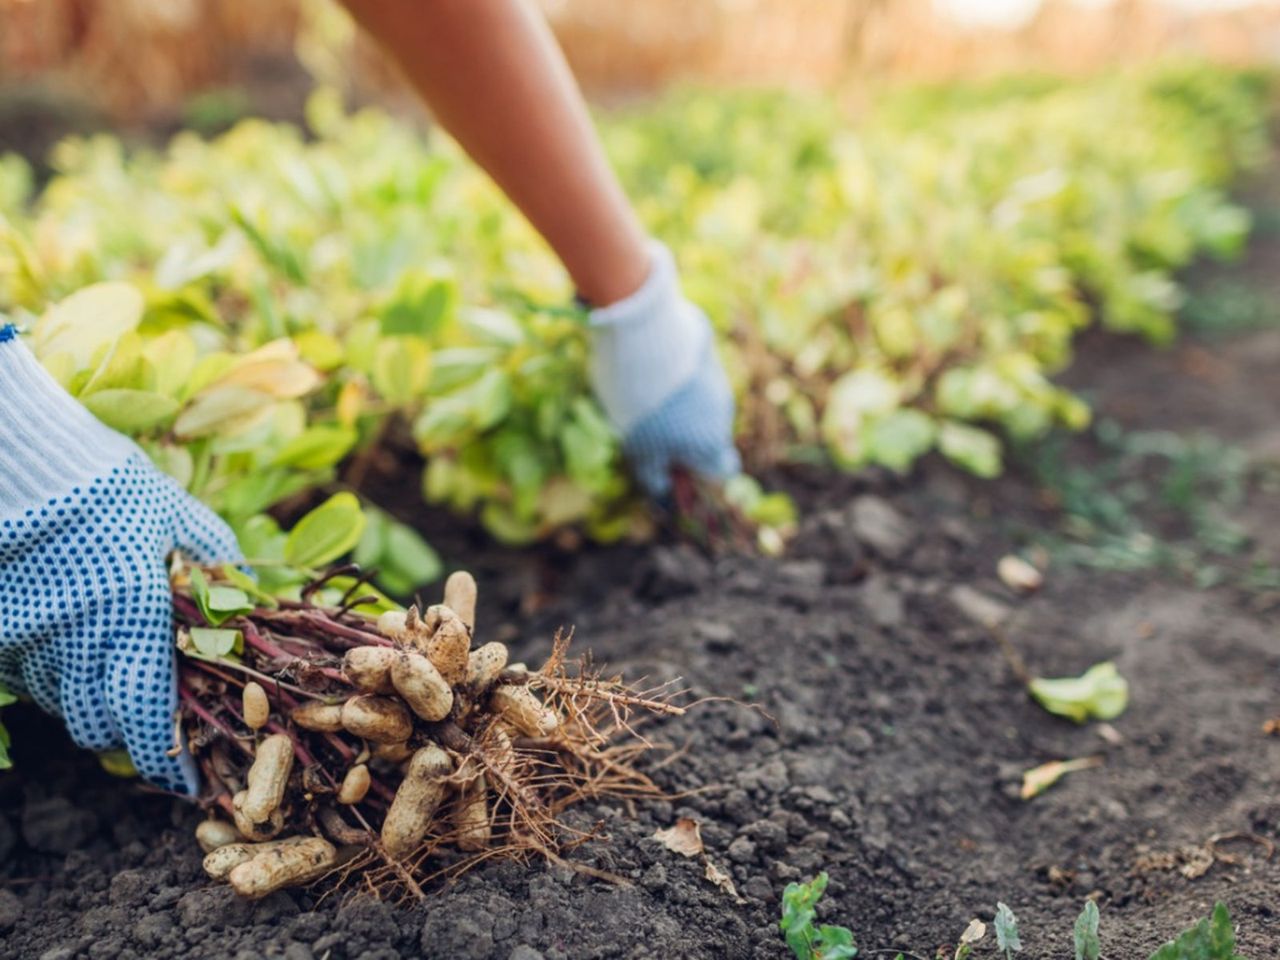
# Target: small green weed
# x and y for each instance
(1152, 500)
(1213, 938)
(1226, 307)
(806, 941)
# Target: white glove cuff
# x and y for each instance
(49, 443)
(647, 346)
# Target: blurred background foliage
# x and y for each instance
(897, 233)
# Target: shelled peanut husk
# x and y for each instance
(334, 743)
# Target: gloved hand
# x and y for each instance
(655, 370)
(86, 523)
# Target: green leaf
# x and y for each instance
(5, 762)
(88, 319)
(798, 914)
(826, 942)
(6, 697)
(971, 448)
(248, 585)
(317, 447)
(200, 590)
(1006, 925)
(214, 643)
(1100, 692)
(411, 556)
(835, 943)
(899, 439)
(1085, 933)
(1213, 938)
(218, 603)
(326, 533)
(419, 308)
(401, 369)
(118, 763)
(130, 411)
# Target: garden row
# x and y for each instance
(256, 308)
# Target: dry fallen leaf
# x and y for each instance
(685, 838)
(1017, 574)
(1271, 728)
(974, 932)
(1039, 779)
(721, 880)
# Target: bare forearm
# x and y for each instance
(495, 79)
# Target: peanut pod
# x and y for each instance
(285, 866)
(369, 668)
(354, 785)
(485, 663)
(450, 644)
(223, 860)
(268, 777)
(392, 624)
(317, 715)
(397, 752)
(423, 688)
(254, 830)
(257, 709)
(417, 798)
(471, 815)
(379, 719)
(460, 597)
(212, 834)
(520, 707)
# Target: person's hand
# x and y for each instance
(655, 369)
(86, 525)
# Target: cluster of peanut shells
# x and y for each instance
(405, 695)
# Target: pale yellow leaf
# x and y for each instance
(81, 323)
(1039, 779)
(224, 408)
(721, 880)
(685, 838)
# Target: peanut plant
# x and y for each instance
(887, 285)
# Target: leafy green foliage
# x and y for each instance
(1085, 933)
(1213, 938)
(1006, 925)
(807, 942)
(887, 286)
(1099, 693)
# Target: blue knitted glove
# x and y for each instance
(654, 368)
(86, 524)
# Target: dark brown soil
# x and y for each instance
(900, 737)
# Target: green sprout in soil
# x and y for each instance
(1213, 938)
(807, 942)
(1151, 500)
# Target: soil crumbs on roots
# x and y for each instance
(899, 742)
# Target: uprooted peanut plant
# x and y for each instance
(334, 741)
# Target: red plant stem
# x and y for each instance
(256, 640)
(190, 700)
(328, 627)
(185, 606)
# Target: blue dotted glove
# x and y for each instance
(86, 524)
(655, 369)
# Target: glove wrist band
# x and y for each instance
(646, 346)
(49, 443)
